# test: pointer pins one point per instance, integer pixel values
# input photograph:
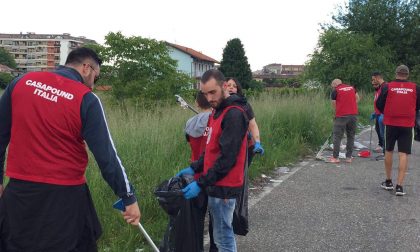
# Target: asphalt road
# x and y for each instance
(328, 207)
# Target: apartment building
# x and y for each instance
(292, 69)
(278, 71)
(40, 52)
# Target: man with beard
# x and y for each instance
(377, 82)
(224, 160)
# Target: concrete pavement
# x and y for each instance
(328, 207)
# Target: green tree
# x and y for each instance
(349, 56)
(5, 79)
(393, 23)
(6, 58)
(235, 63)
(415, 74)
(138, 67)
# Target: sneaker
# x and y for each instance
(387, 185)
(399, 190)
(349, 160)
(333, 160)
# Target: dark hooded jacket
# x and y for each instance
(234, 126)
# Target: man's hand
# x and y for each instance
(132, 214)
(186, 171)
(372, 116)
(1, 190)
(191, 190)
(258, 148)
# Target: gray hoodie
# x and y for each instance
(196, 125)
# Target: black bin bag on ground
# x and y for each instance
(186, 217)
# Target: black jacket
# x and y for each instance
(234, 128)
(94, 131)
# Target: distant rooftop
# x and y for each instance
(193, 53)
(32, 35)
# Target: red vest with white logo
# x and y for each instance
(377, 93)
(235, 177)
(46, 144)
(345, 101)
(400, 105)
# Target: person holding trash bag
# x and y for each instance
(399, 100)
(45, 120)
(224, 160)
(254, 143)
(196, 132)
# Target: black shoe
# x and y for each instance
(387, 185)
(380, 158)
(399, 190)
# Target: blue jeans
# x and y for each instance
(221, 211)
(381, 125)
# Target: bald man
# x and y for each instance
(344, 100)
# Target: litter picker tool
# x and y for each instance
(120, 206)
(184, 104)
(319, 154)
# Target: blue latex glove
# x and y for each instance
(191, 190)
(372, 116)
(186, 171)
(258, 148)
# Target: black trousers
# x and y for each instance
(37, 217)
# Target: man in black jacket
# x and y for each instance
(222, 165)
(45, 120)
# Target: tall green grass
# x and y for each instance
(152, 147)
(291, 126)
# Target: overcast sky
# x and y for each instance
(271, 31)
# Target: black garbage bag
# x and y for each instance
(169, 194)
(240, 215)
(185, 228)
(417, 127)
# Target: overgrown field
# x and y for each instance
(152, 146)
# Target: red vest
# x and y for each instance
(46, 144)
(235, 177)
(400, 105)
(198, 145)
(345, 101)
(377, 93)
